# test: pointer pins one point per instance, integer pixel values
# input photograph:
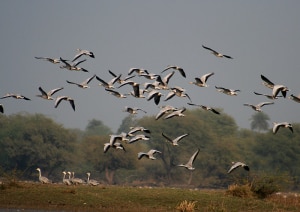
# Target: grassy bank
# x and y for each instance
(117, 198)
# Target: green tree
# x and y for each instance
(96, 127)
(259, 121)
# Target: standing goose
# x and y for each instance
(83, 52)
(276, 126)
(217, 54)
(51, 60)
(181, 71)
(66, 98)
(43, 179)
(258, 106)
(175, 140)
(230, 92)
(83, 84)
(48, 95)
(189, 164)
(91, 181)
(236, 165)
(201, 82)
(148, 154)
(66, 181)
(16, 96)
(205, 108)
(75, 180)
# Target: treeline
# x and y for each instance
(29, 141)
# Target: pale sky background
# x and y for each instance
(261, 36)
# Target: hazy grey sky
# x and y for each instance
(262, 36)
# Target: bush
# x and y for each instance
(186, 206)
(240, 190)
(265, 186)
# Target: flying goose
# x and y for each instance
(66, 181)
(83, 52)
(266, 82)
(162, 83)
(48, 95)
(180, 92)
(295, 98)
(176, 113)
(181, 71)
(73, 66)
(16, 96)
(175, 140)
(51, 60)
(189, 164)
(236, 165)
(66, 98)
(139, 137)
(1, 108)
(148, 154)
(154, 94)
(137, 129)
(43, 179)
(135, 86)
(120, 81)
(139, 71)
(133, 110)
(109, 84)
(201, 82)
(276, 126)
(164, 110)
(141, 93)
(116, 93)
(217, 54)
(91, 181)
(267, 95)
(205, 108)
(83, 84)
(113, 142)
(230, 92)
(258, 106)
(275, 88)
(149, 76)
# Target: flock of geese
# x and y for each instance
(152, 90)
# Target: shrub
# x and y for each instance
(186, 206)
(239, 190)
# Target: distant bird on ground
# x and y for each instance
(121, 81)
(66, 98)
(230, 92)
(154, 94)
(109, 84)
(236, 165)
(164, 110)
(116, 93)
(48, 95)
(91, 181)
(189, 164)
(83, 52)
(295, 98)
(176, 113)
(267, 95)
(139, 71)
(137, 129)
(51, 60)
(148, 154)
(139, 137)
(217, 54)
(175, 140)
(201, 82)
(66, 181)
(75, 180)
(83, 84)
(205, 108)
(74, 66)
(276, 126)
(43, 179)
(258, 106)
(133, 110)
(16, 96)
(1, 108)
(181, 71)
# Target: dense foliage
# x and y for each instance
(29, 141)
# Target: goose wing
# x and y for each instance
(267, 82)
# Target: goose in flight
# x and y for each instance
(236, 165)
(16, 96)
(135, 86)
(48, 95)
(83, 52)
(141, 93)
(74, 66)
(113, 142)
(217, 54)
(91, 181)
(164, 110)
(258, 106)
(51, 60)
(149, 76)
(137, 129)
(132, 110)
(1, 108)
(66, 181)
(275, 88)
(276, 126)
(120, 81)
(148, 154)
(109, 84)
(43, 179)
(162, 83)
(176, 113)
(267, 95)
(295, 98)
(116, 93)
(201, 82)
(66, 98)
(83, 84)
(230, 92)
(189, 164)
(175, 140)
(181, 71)
(154, 94)
(139, 71)
(180, 92)
(205, 108)
(266, 82)
(139, 137)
